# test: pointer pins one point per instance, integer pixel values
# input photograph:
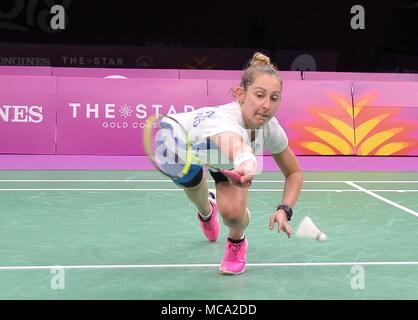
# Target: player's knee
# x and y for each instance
(232, 214)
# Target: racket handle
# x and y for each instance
(233, 176)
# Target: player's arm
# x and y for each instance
(233, 146)
(289, 165)
(290, 168)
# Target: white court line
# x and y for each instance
(178, 189)
(206, 265)
(392, 203)
(169, 181)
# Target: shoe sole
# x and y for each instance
(230, 273)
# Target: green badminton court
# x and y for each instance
(134, 235)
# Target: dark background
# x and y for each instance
(223, 33)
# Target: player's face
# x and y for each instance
(261, 100)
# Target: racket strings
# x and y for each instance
(168, 147)
(170, 150)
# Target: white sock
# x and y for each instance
(239, 240)
(207, 217)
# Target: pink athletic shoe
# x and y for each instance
(235, 257)
(211, 227)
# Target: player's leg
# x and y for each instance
(232, 205)
(195, 185)
(198, 194)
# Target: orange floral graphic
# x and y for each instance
(200, 63)
(377, 130)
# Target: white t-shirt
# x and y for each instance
(209, 121)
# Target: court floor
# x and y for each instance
(134, 235)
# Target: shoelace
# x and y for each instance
(233, 251)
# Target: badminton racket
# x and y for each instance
(168, 146)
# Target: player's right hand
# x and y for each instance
(247, 170)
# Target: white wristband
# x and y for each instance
(243, 157)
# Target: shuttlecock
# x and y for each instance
(308, 230)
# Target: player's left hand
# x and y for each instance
(280, 218)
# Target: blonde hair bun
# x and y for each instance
(260, 59)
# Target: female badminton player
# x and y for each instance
(236, 128)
